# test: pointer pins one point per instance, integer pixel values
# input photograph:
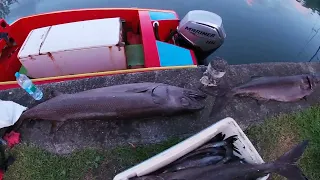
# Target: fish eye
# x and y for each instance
(184, 101)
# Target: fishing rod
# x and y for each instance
(315, 54)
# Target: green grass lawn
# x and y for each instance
(35, 164)
(279, 134)
(272, 139)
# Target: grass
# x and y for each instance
(272, 138)
(277, 135)
(36, 164)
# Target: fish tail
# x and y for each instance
(230, 145)
(289, 161)
(231, 139)
(219, 137)
(23, 118)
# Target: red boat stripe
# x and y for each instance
(151, 55)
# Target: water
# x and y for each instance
(257, 30)
(28, 86)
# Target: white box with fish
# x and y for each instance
(74, 48)
(227, 126)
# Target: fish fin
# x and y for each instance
(55, 93)
(305, 98)
(159, 94)
(55, 126)
(217, 138)
(20, 122)
(138, 90)
(255, 77)
(235, 149)
(18, 125)
(261, 101)
(289, 160)
(231, 139)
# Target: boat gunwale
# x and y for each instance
(93, 9)
(14, 84)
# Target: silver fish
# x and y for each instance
(118, 102)
(198, 162)
(285, 166)
(283, 89)
(277, 88)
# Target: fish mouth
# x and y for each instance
(316, 78)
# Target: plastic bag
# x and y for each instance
(10, 112)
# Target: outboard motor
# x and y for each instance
(201, 31)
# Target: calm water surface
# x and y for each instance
(257, 30)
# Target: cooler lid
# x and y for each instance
(84, 34)
(31, 45)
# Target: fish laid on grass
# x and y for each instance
(277, 88)
(285, 166)
(137, 100)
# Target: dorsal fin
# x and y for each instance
(55, 93)
(138, 90)
(160, 94)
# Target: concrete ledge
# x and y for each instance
(106, 134)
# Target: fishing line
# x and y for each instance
(315, 54)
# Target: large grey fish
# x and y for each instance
(285, 166)
(132, 101)
(277, 88)
(135, 100)
(284, 89)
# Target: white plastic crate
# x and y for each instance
(228, 126)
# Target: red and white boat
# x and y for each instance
(74, 44)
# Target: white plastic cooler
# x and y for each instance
(227, 126)
(74, 48)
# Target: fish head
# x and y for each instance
(187, 98)
(312, 80)
(315, 78)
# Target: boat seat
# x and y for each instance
(135, 56)
(171, 55)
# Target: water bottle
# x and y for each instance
(28, 86)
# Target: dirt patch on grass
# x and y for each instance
(284, 143)
(274, 137)
(107, 170)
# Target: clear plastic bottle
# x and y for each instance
(28, 86)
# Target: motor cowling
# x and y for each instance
(201, 31)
